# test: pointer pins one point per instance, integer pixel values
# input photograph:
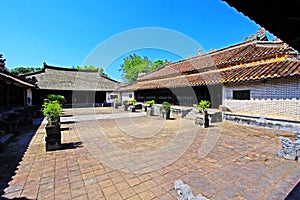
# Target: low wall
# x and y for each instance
(281, 109)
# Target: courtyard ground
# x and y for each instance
(110, 154)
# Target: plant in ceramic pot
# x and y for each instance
(125, 105)
(202, 106)
(132, 103)
(149, 104)
(52, 111)
(165, 110)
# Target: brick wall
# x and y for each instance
(278, 98)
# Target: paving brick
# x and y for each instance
(242, 165)
(107, 191)
(126, 193)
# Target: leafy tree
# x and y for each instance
(134, 64)
(23, 70)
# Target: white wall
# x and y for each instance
(29, 97)
(278, 98)
(109, 95)
(127, 96)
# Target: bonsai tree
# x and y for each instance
(52, 111)
(203, 105)
(165, 110)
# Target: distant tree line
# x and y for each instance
(24, 70)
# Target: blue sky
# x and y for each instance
(64, 33)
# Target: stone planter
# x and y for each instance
(206, 120)
(150, 111)
(125, 107)
(116, 106)
(165, 114)
(53, 137)
(202, 120)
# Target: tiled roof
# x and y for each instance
(251, 60)
(242, 73)
(241, 53)
(55, 78)
(7, 77)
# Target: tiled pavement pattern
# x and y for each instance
(226, 161)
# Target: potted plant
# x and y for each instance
(149, 104)
(116, 101)
(125, 105)
(202, 106)
(165, 110)
(52, 111)
(131, 104)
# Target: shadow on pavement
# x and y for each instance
(295, 193)
(14, 152)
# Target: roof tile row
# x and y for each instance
(242, 53)
(242, 73)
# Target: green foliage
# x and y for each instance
(116, 100)
(203, 105)
(52, 110)
(125, 102)
(150, 103)
(132, 102)
(134, 64)
(54, 97)
(23, 70)
(166, 106)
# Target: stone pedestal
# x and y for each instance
(53, 137)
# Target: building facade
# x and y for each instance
(257, 78)
(15, 92)
(80, 87)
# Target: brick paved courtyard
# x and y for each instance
(116, 155)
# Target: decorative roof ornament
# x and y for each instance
(277, 39)
(260, 35)
(2, 63)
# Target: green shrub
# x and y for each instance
(166, 106)
(55, 97)
(125, 102)
(203, 105)
(132, 102)
(116, 100)
(150, 103)
(52, 110)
